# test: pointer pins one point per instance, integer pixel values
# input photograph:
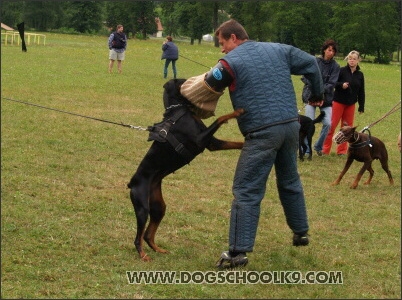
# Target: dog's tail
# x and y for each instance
(319, 118)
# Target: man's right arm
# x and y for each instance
(110, 41)
(219, 77)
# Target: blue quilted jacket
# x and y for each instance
(263, 84)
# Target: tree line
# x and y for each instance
(371, 27)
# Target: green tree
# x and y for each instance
(195, 19)
(255, 16)
(135, 16)
(168, 19)
(40, 15)
(86, 16)
(12, 12)
(299, 24)
(372, 28)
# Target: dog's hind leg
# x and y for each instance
(141, 208)
(384, 164)
(345, 169)
(157, 208)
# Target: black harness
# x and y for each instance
(362, 144)
(160, 132)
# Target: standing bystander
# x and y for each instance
(348, 90)
(117, 47)
(329, 71)
(171, 54)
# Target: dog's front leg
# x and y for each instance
(345, 169)
(237, 113)
(217, 144)
(371, 171)
(206, 135)
(366, 166)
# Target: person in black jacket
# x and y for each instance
(329, 71)
(171, 54)
(349, 89)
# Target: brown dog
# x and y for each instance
(363, 148)
(177, 140)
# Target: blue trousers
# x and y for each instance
(273, 146)
(326, 124)
(165, 70)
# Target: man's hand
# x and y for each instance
(316, 100)
(316, 103)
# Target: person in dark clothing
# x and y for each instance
(349, 89)
(171, 54)
(117, 47)
(330, 71)
(258, 76)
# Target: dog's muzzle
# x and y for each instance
(340, 138)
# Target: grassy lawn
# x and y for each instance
(67, 223)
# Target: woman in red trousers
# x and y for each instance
(348, 90)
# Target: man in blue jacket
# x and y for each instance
(258, 75)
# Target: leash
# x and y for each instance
(392, 110)
(78, 115)
(209, 68)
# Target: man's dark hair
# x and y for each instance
(329, 43)
(232, 27)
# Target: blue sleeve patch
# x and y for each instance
(217, 74)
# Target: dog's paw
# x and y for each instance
(145, 257)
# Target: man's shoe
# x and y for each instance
(319, 153)
(232, 261)
(300, 239)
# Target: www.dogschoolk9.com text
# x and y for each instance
(234, 277)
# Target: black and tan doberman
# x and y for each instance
(363, 148)
(177, 140)
(306, 131)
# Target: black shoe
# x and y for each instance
(319, 153)
(300, 239)
(232, 261)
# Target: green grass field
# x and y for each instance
(67, 223)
